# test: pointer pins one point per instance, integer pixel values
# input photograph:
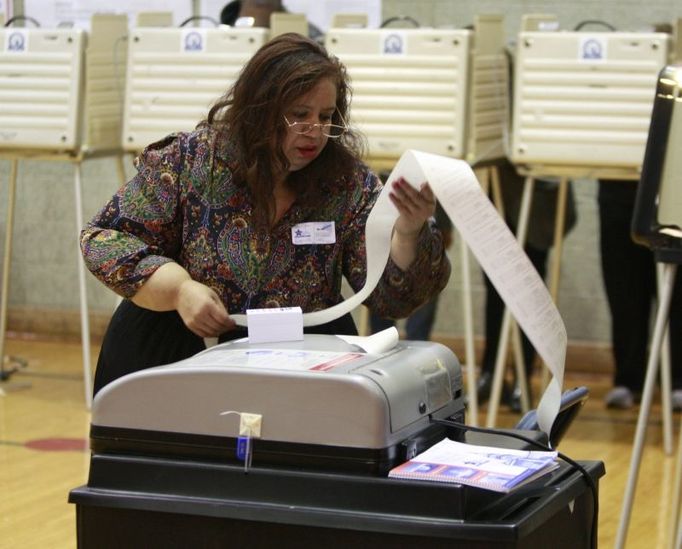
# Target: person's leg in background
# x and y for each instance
(420, 322)
(494, 311)
(418, 325)
(629, 276)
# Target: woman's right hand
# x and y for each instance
(201, 310)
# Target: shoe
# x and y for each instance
(621, 398)
(676, 399)
(483, 387)
(514, 399)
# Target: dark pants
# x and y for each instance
(629, 275)
(138, 338)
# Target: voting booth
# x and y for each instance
(176, 74)
(443, 91)
(583, 100)
(61, 88)
(60, 100)
(326, 422)
(42, 85)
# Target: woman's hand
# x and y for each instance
(415, 207)
(201, 310)
(170, 288)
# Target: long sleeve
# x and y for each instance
(139, 229)
(398, 292)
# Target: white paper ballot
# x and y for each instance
(275, 324)
(490, 240)
(378, 343)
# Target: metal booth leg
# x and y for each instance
(7, 253)
(647, 395)
(666, 384)
(7, 257)
(675, 519)
(14, 362)
(85, 323)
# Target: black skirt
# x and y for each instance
(138, 338)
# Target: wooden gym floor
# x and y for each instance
(43, 452)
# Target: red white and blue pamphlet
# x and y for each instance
(491, 468)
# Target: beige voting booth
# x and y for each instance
(583, 100)
(60, 87)
(176, 74)
(442, 91)
(60, 101)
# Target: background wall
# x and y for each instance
(43, 271)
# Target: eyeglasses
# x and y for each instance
(328, 130)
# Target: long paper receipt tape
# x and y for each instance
(497, 252)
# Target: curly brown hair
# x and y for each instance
(250, 118)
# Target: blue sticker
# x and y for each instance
(242, 448)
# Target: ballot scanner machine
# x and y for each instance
(328, 421)
(319, 403)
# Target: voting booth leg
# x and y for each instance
(85, 325)
(647, 395)
(666, 383)
(6, 271)
(500, 359)
(7, 254)
(120, 168)
(675, 519)
(472, 409)
(497, 190)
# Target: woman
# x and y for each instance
(207, 226)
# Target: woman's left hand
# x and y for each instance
(415, 206)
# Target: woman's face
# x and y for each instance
(316, 107)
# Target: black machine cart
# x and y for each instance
(164, 471)
(153, 502)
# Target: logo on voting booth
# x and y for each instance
(593, 49)
(193, 41)
(394, 44)
(16, 42)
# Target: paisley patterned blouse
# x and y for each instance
(183, 206)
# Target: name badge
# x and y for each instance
(314, 232)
